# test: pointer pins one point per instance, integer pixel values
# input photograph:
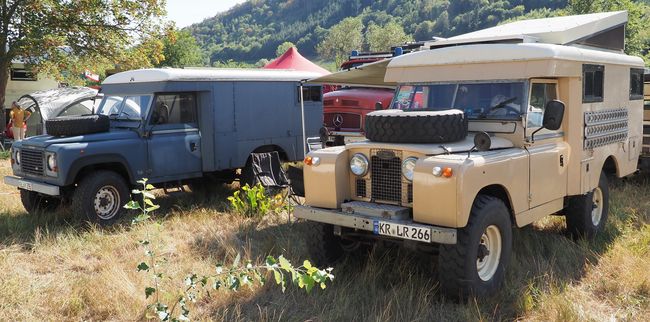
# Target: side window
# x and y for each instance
(593, 78)
(540, 94)
(76, 109)
(176, 108)
(310, 93)
(636, 84)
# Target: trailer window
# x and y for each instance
(177, 108)
(310, 93)
(593, 78)
(20, 74)
(636, 84)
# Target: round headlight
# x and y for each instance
(51, 162)
(17, 156)
(359, 164)
(408, 166)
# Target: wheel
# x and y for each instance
(34, 202)
(77, 125)
(587, 214)
(326, 248)
(101, 196)
(476, 265)
(397, 126)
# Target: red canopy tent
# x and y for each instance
(292, 59)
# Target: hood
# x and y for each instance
(432, 148)
(43, 141)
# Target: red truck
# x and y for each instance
(344, 109)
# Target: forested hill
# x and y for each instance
(254, 29)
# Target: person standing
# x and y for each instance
(19, 121)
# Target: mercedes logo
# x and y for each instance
(338, 120)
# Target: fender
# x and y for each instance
(99, 159)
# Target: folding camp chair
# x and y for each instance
(267, 170)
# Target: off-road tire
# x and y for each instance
(324, 247)
(88, 191)
(579, 221)
(77, 125)
(34, 202)
(397, 126)
(458, 271)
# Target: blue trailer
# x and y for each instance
(172, 126)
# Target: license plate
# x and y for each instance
(25, 185)
(422, 234)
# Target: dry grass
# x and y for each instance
(54, 267)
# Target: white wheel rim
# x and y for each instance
(597, 211)
(107, 202)
(487, 264)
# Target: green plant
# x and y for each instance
(254, 201)
(231, 277)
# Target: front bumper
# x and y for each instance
(26, 184)
(441, 235)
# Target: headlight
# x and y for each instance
(408, 166)
(17, 156)
(51, 162)
(359, 164)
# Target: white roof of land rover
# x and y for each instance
(207, 74)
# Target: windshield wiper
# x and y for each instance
(499, 105)
(117, 116)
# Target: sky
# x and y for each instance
(187, 12)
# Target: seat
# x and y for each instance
(267, 170)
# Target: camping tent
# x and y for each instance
(292, 59)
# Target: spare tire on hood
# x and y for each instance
(77, 125)
(398, 126)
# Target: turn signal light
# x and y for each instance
(308, 161)
(447, 172)
(312, 161)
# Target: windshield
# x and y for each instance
(129, 107)
(478, 100)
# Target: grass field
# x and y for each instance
(55, 267)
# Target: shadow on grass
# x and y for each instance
(21, 228)
(397, 284)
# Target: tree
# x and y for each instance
(382, 38)
(342, 39)
(180, 50)
(52, 36)
(282, 48)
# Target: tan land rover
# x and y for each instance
(497, 129)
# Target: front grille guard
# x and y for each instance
(384, 182)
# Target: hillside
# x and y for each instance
(254, 29)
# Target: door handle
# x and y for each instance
(193, 146)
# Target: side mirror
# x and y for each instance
(553, 115)
(378, 106)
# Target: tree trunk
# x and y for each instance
(4, 79)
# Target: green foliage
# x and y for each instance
(282, 48)
(180, 50)
(342, 39)
(4, 155)
(225, 277)
(254, 29)
(381, 38)
(70, 36)
(254, 201)
(232, 64)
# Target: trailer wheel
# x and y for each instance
(587, 214)
(34, 202)
(397, 126)
(77, 125)
(476, 264)
(101, 196)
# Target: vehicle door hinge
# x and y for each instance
(530, 197)
(561, 160)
